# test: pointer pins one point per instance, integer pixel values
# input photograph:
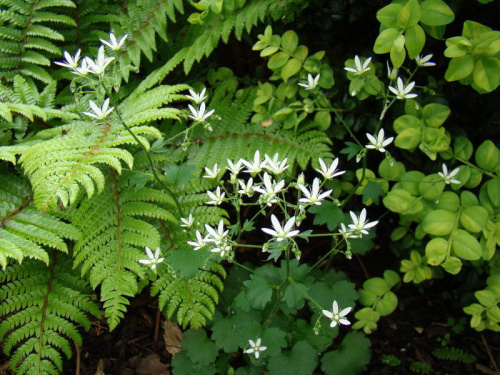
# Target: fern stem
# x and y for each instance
(150, 161)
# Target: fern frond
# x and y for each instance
(453, 354)
(27, 34)
(60, 166)
(421, 367)
(194, 299)
(114, 244)
(42, 308)
(24, 231)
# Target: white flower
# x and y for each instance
(281, 232)
(337, 317)
(99, 113)
(212, 173)
(270, 189)
(70, 61)
(347, 233)
(99, 65)
(216, 236)
(331, 171)
(448, 176)
(313, 196)
(359, 224)
(380, 142)
(197, 98)
(246, 189)
(402, 91)
(254, 166)
(275, 166)
(222, 248)
(200, 241)
(216, 197)
(234, 168)
(392, 73)
(312, 82)
(256, 348)
(113, 43)
(199, 114)
(187, 223)
(358, 67)
(83, 69)
(154, 259)
(424, 61)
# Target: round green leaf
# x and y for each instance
(436, 251)
(388, 15)
(409, 15)
(410, 181)
(431, 186)
(376, 285)
(398, 200)
(452, 265)
(391, 172)
(408, 139)
(323, 119)
(435, 13)
(486, 73)
(448, 201)
(463, 148)
(291, 68)
(387, 304)
(435, 114)
(289, 41)
(459, 68)
(414, 41)
(487, 156)
(278, 60)
(268, 51)
(384, 41)
(439, 222)
(465, 246)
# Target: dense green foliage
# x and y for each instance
(113, 185)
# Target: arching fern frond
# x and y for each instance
(110, 250)
(59, 166)
(42, 308)
(453, 354)
(193, 299)
(24, 231)
(28, 34)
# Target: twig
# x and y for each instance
(365, 271)
(78, 359)
(157, 325)
(489, 352)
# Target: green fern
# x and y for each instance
(24, 231)
(390, 360)
(28, 36)
(42, 308)
(194, 299)
(114, 243)
(453, 354)
(420, 367)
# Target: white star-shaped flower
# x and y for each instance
(254, 166)
(83, 69)
(331, 171)
(234, 168)
(216, 236)
(402, 91)
(424, 61)
(281, 232)
(114, 44)
(211, 173)
(70, 62)
(256, 348)
(187, 223)
(199, 114)
(392, 73)
(313, 196)
(99, 113)
(246, 189)
(274, 165)
(358, 67)
(270, 189)
(200, 241)
(346, 232)
(197, 98)
(312, 82)
(99, 65)
(216, 197)
(336, 316)
(380, 142)
(360, 224)
(448, 176)
(153, 259)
